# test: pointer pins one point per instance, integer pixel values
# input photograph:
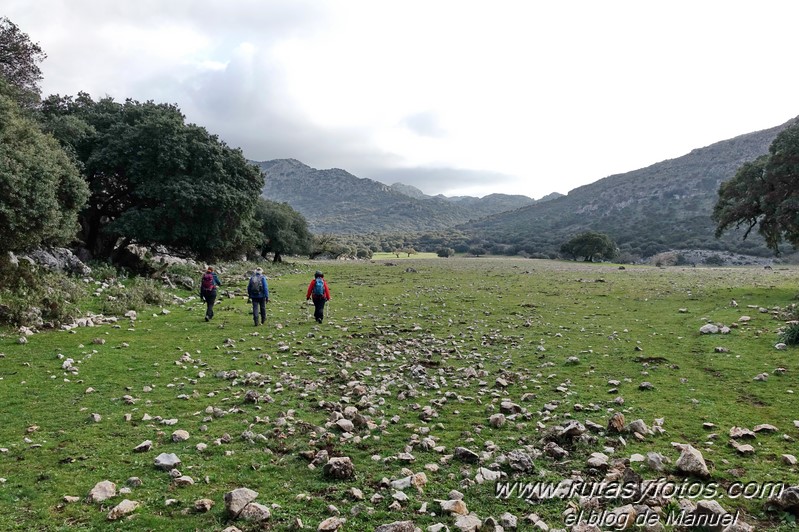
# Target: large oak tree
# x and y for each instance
(590, 245)
(155, 179)
(764, 193)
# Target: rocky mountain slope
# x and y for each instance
(667, 205)
(335, 201)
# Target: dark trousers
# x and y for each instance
(210, 297)
(258, 303)
(319, 308)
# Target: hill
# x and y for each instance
(335, 201)
(663, 206)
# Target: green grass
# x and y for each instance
(381, 255)
(406, 337)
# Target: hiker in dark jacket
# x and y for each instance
(208, 284)
(320, 293)
(258, 292)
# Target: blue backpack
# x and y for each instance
(319, 287)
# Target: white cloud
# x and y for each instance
(510, 96)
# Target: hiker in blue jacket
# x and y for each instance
(258, 292)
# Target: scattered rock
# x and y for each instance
(143, 447)
(331, 524)
(616, 422)
(340, 468)
(101, 491)
(255, 512)
(691, 461)
(167, 461)
(465, 455)
(468, 523)
(397, 526)
(203, 505)
(454, 506)
(236, 500)
(122, 509)
(598, 460)
(739, 432)
(180, 435)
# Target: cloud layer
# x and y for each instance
(449, 96)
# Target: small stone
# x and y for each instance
(143, 447)
(340, 468)
(236, 500)
(465, 455)
(346, 425)
(396, 526)
(765, 427)
(203, 505)
(122, 509)
(455, 507)
(709, 328)
(102, 491)
(331, 524)
(255, 512)
(598, 460)
(789, 459)
(167, 461)
(497, 420)
(183, 481)
(468, 523)
(691, 461)
(180, 435)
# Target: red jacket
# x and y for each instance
(310, 289)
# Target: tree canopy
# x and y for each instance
(155, 179)
(764, 193)
(19, 63)
(284, 230)
(590, 245)
(42, 191)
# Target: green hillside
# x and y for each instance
(335, 201)
(664, 206)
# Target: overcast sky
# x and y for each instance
(453, 97)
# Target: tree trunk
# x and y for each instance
(278, 257)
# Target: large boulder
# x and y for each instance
(59, 260)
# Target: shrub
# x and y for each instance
(714, 260)
(136, 295)
(790, 335)
(35, 297)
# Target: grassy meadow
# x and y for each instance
(432, 332)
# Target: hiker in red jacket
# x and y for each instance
(320, 293)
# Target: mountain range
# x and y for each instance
(335, 201)
(664, 206)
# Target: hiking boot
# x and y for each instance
(207, 318)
